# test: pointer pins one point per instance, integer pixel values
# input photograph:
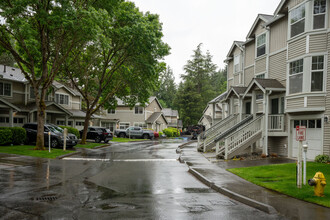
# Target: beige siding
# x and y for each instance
(75, 103)
(278, 35)
(248, 75)
(259, 29)
(230, 83)
(297, 48)
(317, 43)
(236, 51)
(18, 99)
(276, 146)
(295, 103)
(315, 101)
(260, 66)
(230, 69)
(260, 107)
(292, 3)
(18, 87)
(326, 136)
(153, 107)
(236, 79)
(250, 54)
(277, 67)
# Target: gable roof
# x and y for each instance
(218, 98)
(237, 44)
(261, 17)
(237, 90)
(265, 84)
(154, 117)
(150, 100)
(59, 85)
(10, 104)
(280, 7)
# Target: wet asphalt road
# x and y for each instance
(123, 181)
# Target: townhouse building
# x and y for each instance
(147, 116)
(172, 118)
(17, 102)
(278, 80)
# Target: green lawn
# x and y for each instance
(28, 150)
(89, 145)
(282, 178)
(124, 140)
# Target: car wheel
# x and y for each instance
(106, 141)
(54, 143)
(122, 135)
(145, 136)
(97, 139)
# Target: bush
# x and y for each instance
(322, 159)
(72, 130)
(5, 136)
(171, 132)
(18, 135)
(160, 133)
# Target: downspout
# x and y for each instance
(266, 121)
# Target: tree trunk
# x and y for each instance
(40, 145)
(86, 124)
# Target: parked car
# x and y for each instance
(135, 132)
(56, 133)
(98, 134)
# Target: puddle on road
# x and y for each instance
(198, 190)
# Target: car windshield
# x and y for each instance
(55, 129)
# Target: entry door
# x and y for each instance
(275, 105)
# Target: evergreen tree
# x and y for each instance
(167, 88)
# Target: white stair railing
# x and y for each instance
(243, 135)
(212, 133)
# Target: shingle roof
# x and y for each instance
(154, 117)
(239, 90)
(270, 83)
(219, 98)
(12, 73)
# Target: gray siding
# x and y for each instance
(326, 136)
(276, 145)
(293, 3)
(248, 75)
(230, 83)
(259, 29)
(297, 48)
(277, 67)
(317, 43)
(260, 66)
(236, 79)
(278, 35)
(231, 69)
(295, 103)
(249, 54)
(260, 107)
(315, 101)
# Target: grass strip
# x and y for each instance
(125, 140)
(282, 178)
(89, 145)
(28, 150)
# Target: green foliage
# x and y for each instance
(322, 159)
(72, 130)
(160, 133)
(167, 88)
(6, 136)
(171, 132)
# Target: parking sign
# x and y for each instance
(301, 133)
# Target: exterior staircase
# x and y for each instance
(234, 143)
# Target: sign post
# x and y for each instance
(300, 136)
(65, 134)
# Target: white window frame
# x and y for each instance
(139, 107)
(264, 44)
(111, 111)
(60, 120)
(318, 70)
(296, 74)
(3, 89)
(122, 123)
(303, 5)
(140, 124)
(79, 123)
(314, 15)
(59, 98)
(237, 63)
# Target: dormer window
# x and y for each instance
(62, 99)
(237, 61)
(319, 11)
(297, 20)
(261, 45)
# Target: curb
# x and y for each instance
(67, 155)
(102, 146)
(243, 199)
(185, 144)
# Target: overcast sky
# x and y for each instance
(215, 23)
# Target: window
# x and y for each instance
(123, 125)
(237, 66)
(70, 123)
(4, 119)
(317, 73)
(60, 122)
(138, 110)
(79, 123)
(297, 20)
(319, 12)
(62, 99)
(261, 45)
(5, 89)
(111, 111)
(140, 124)
(259, 96)
(18, 120)
(260, 76)
(296, 76)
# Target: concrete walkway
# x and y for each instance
(213, 173)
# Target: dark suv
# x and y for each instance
(98, 134)
(56, 133)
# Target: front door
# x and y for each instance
(274, 110)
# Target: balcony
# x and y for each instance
(276, 125)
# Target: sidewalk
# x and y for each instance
(214, 174)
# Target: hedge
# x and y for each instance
(171, 132)
(12, 135)
(72, 130)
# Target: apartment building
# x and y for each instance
(172, 117)
(279, 75)
(212, 114)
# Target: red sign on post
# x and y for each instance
(301, 133)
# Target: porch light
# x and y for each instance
(326, 119)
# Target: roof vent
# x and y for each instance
(11, 75)
(13, 69)
(4, 68)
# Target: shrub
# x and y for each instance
(322, 159)
(5, 136)
(72, 131)
(171, 132)
(160, 133)
(18, 135)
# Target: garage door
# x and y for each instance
(314, 137)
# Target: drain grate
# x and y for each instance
(46, 198)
